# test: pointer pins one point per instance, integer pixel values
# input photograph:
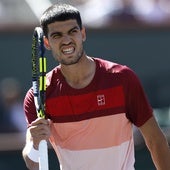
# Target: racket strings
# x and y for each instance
(39, 71)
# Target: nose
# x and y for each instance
(66, 39)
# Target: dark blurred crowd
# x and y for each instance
(95, 13)
(98, 13)
(12, 117)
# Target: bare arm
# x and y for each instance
(39, 130)
(31, 165)
(157, 144)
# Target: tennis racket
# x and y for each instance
(39, 88)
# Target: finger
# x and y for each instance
(40, 121)
(40, 129)
(38, 133)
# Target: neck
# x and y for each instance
(79, 75)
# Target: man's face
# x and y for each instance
(65, 39)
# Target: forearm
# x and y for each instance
(31, 165)
(157, 144)
(160, 153)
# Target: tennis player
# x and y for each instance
(91, 105)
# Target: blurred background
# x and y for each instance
(131, 32)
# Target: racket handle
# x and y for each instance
(43, 155)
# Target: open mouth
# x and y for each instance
(67, 51)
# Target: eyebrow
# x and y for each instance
(60, 33)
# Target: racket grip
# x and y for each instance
(43, 155)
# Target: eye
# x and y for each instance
(74, 31)
(56, 36)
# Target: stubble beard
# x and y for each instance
(74, 60)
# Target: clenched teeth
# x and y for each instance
(68, 50)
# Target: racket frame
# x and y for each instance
(39, 88)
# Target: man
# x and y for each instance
(91, 105)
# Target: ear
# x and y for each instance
(46, 43)
(83, 31)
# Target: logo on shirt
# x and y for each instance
(100, 99)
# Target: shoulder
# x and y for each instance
(112, 67)
(52, 75)
(116, 72)
(29, 96)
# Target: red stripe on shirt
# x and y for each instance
(90, 105)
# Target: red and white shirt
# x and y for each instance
(92, 126)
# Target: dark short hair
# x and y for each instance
(59, 12)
